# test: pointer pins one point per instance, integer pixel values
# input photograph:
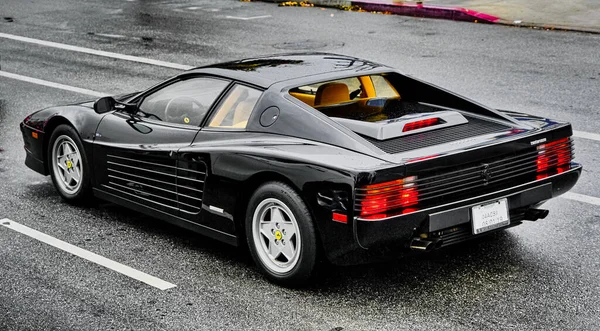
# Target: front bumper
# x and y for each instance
(451, 222)
(33, 143)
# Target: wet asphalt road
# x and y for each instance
(542, 275)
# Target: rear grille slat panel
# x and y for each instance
(481, 177)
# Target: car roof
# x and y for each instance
(267, 70)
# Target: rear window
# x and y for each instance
(353, 83)
(383, 89)
(363, 98)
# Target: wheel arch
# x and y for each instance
(49, 128)
(250, 185)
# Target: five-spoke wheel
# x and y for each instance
(276, 230)
(67, 162)
(280, 234)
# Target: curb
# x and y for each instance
(439, 12)
(428, 11)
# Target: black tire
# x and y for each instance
(280, 196)
(73, 165)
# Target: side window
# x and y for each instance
(383, 89)
(184, 102)
(236, 108)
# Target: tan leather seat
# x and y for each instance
(229, 102)
(332, 93)
(242, 112)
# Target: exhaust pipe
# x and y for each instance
(533, 214)
(424, 245)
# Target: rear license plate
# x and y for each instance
(490, 216)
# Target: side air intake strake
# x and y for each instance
(405, 125)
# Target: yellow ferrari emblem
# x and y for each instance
(69, 164)
(186, 120)
(278, 235)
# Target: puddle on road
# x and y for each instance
(2, 161)
(308, 45)
(3, 114)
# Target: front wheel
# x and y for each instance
(281, 234)
(68, 164)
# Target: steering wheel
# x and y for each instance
(177, 114)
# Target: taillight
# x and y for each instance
(421, 124)
(378, 199)
(554, 156)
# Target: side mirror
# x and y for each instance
(104, 105)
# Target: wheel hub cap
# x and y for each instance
(276, 235)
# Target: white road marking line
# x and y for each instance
(108, 35)
(246, 18)
(582, 198)
(84, 254)
(96, 52)
(586, 135)
(52, 84)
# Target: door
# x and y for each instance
(226, 126)
(135, 156)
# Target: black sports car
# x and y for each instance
(303, 156)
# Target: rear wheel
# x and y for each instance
(281, 235)
(68, 164)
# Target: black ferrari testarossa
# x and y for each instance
(302, 156)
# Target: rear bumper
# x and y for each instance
(451, 222)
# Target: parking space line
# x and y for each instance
(52, 84)
(586, 135)
(582, 198)
(87, 255)
(96, 52)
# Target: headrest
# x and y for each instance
(332, 93)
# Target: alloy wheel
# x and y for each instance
(276, 235)
(67, 164)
